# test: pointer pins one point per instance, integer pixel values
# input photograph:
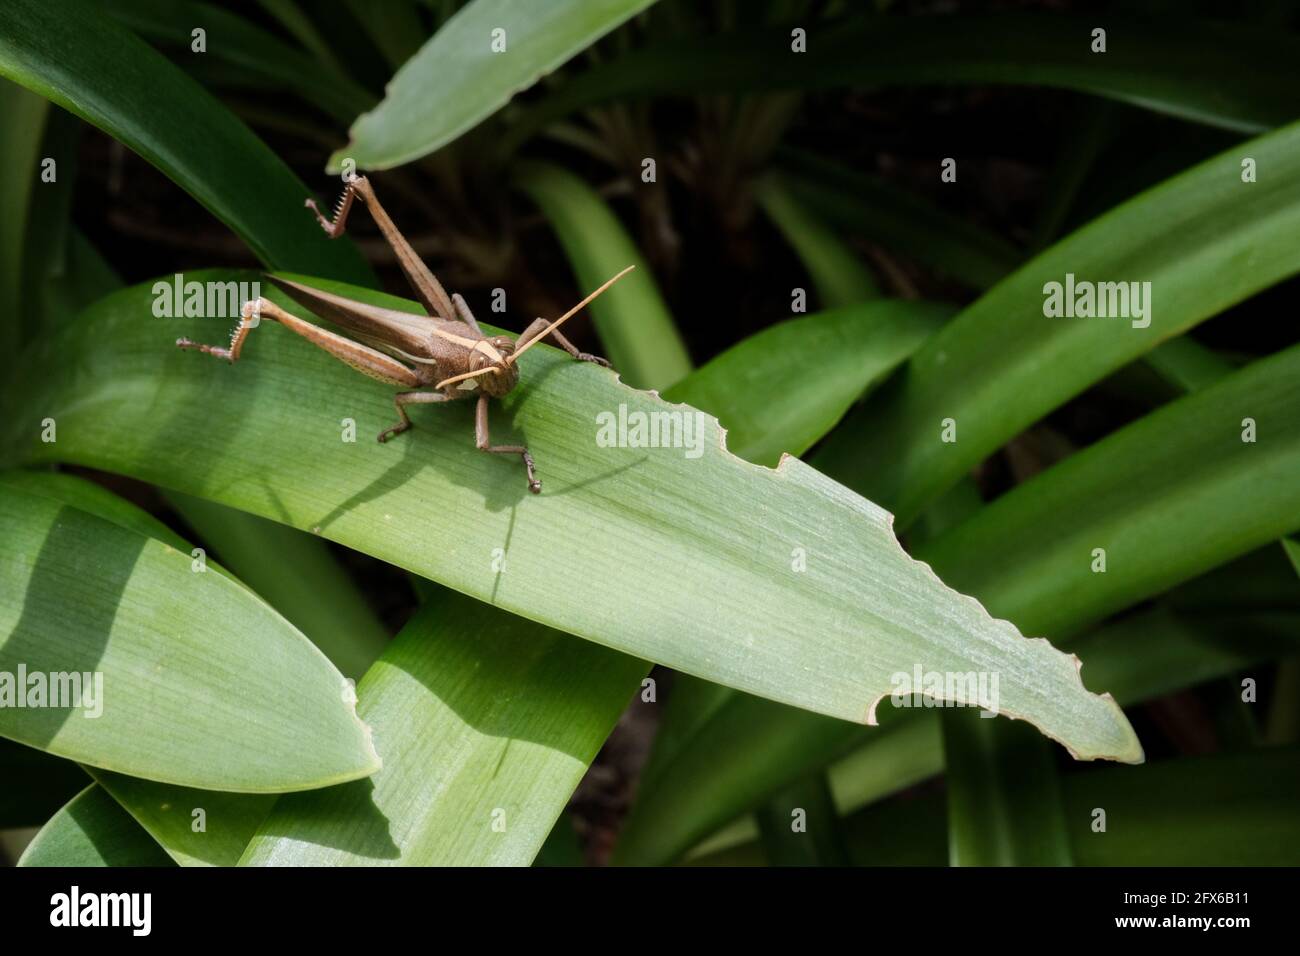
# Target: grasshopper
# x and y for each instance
(446, 355)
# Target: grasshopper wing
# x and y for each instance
(383, 328)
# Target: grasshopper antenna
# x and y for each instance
(511, 358)
(464, 375)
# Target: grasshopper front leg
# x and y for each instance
(483, 441)
(410, 398)
(536, 328)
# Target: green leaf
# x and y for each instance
(165, 810)
(1178, 650)
(839, 276)
(94, 499)
(46, 257)
(877, 209)
(813, 368)
(1150, 813)
(193, 827)
(1082, 141)
(469, 764)
(1291, 547)
(827, 639)
(255, 55)
(1240, 78)
(1182, 649)
(634, 324)
(690, 785)
(1204, 240)
(485, 723)
(296, 575)
(333, 613)
(1130, 493)
(1004, 796)
(22, 125)
(92, 830)
(192, 667)
(82, 277)
(293, 572)
(457, 79)
(800, 827)
(562, 847)
(63, 49)
(1186, 364)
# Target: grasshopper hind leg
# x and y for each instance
(427, 288)
(247, 322)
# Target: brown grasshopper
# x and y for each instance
(446, 349)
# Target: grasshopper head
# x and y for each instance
(507, 376)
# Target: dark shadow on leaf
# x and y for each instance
(597, 479)
(71, 600)
(344, 817)
(116, 838)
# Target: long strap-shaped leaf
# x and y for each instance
(870, 340)
(193, 827)
(64, 49)
(259, 56)
(22, 125)
(651, 532)
(478, 60)
(1243, 77)
(636, 329)
(903, 221)
(1134, 492)
(760, 388)
(185, 676)
(1178, 650)
(92, 830)
(486, 723)
(1204, 240)
(1149, 817)
(1227, 455)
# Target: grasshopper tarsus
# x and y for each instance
(330, 229)
(215, 350)
(534, 483)
(334, 227)
(594, 359)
